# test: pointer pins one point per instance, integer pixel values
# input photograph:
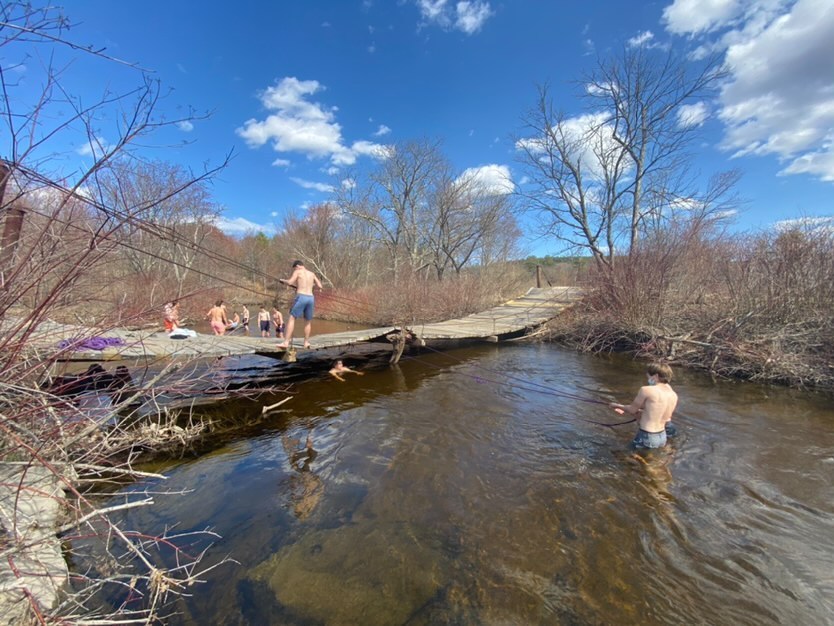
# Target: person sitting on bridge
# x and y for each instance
(230, 326)
(339, 368)
(171, 316)
(304, 281)
(654, 404)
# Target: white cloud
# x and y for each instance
(298, 124)
(588, 47)
(281, 162)
(692, 115)
(778, 99)
(372, 48)
(242, 226)
(694, 16)
(185, 126)
(95, 147)
(594, 89)
(348, 183)
(685, 204)
(533, 145)
(432, 10)
(85, 192)
(308, 184)
(588, 138)
(493, 180)
(823, 224)
(332, 170)
(641, 38)
(819, 164)
(471, 16)
(382, 130)
(467, 16)
(371, 149)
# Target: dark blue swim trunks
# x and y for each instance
(645, 439)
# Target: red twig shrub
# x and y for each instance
(754, 306)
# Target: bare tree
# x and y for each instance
(394, 199)
(590, 175)
(59, 243)
(256, 252)
(463, 216)
(426, 215)
(167, 214)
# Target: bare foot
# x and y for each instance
(306, 346)
(282, 345)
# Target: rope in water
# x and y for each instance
(524, 386)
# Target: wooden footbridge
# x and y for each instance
(510, 320)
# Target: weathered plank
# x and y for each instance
(521, 314)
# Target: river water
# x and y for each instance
(462, 488)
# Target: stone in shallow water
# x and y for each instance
(361, 574)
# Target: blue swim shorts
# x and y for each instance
(303, 306)
(645, 439)
(671, 429)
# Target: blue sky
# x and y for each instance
(301, 91)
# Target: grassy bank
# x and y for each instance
(753, 308)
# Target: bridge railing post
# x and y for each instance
(12, 226)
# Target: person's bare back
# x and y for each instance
(303, 280)
(216, 314)
(653, 407)
(656, 404)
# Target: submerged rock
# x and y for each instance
(360, 574)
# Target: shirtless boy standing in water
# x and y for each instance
(654, 404)
(303, 280)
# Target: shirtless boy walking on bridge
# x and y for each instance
(654, 404)
(303, 280)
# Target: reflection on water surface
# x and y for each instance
(445, 491)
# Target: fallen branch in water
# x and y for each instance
(109, 509)
(269, 408)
